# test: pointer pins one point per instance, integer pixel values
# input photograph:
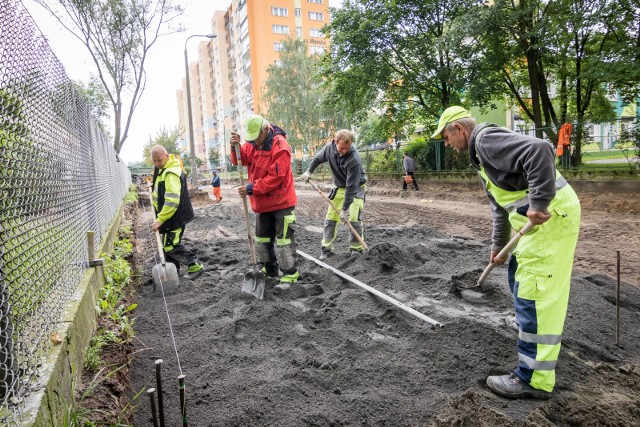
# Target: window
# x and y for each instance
(280, 29)
(315, 1)
(298, 12)
(279, 11)
(314, 32)
(316, 50)
(316, 16)
(277, 47)
(299, 31)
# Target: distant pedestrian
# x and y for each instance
(522, 183)
(409, 169)
(215, 182)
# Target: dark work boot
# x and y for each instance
(513, 387)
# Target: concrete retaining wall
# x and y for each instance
(65, 362)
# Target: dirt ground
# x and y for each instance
(325, 352)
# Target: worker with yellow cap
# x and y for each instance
(267, 156)
(522, 183)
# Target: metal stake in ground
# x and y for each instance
(353, 230)
(371, 290)
(159, 388)
(152, 401)
(618, 301)
(183, 405)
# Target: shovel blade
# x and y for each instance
(165, 277)
(254, 283)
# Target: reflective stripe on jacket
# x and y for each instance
(170, 196)
(269, 168)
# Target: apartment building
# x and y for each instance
(232, 69)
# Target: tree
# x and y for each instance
(168, 138)
(295, 99)
(97, 100)
(118, 35)
(214, 155)
(407, 55)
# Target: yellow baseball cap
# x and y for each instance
(449, 115)
(253, 126)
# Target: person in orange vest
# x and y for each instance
(215, 183)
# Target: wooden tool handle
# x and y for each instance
(348, 223)
(505, 251)
(252, 248)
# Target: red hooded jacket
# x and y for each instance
(270, 177)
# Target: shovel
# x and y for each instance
(504, 252)
(254, 281)
(165, 275)
(353, 230)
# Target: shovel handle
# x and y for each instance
(252, 248)
(505, 251)
(157, 233)
(348, 223)
(160, 249)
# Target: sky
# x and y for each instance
(165, 67)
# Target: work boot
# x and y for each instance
(355, 253)
(325, 254)
(514, 388)
(290, 278)
(270, 272)
(194, 271)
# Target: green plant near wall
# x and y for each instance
(77, 415)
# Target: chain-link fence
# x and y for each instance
(59, 178)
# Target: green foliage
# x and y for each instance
(296, 101)
(122, 248)
(118, 34)
(168, 138)
(214, 156)
(402, 57)
(382, 161)
(97, 99)
(77, 415)
(374, 131)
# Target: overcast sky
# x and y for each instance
(165, 67)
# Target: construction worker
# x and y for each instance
(267, 156)
(173, 210)
(348, 195)
(521, 181)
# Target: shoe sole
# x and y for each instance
(191, 276)
(535, 394)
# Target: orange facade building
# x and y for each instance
(233, 68)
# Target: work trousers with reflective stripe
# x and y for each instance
(356, 214)
(540, 278)
(275, 235)
(174, 251)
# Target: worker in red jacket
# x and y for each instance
(267, 156)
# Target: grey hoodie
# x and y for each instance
(513, 162)
(347, 170)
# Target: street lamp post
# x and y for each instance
(192, 145)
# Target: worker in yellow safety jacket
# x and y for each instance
(521, 181)
(173, 210)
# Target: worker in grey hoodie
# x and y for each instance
(522, 183)
(348, 195)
